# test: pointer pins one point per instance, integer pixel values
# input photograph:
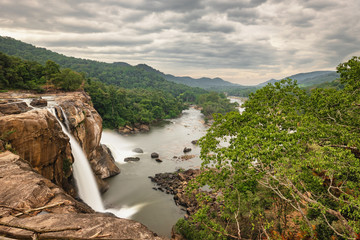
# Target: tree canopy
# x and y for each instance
(286, 168)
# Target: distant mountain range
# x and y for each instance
(309, 79)
(303, 79)
(26, 51)
(204, 82)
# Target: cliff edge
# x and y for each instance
(35, 134)
(32, 207)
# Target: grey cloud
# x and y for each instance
(203, 26)
(160, 5)
(219, 53)
(249, 34)
(233, 4)
(319, 5)
(245, 16)
(96, 42)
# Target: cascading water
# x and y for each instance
(85, 180)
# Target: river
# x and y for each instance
(131, 194)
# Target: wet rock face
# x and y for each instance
(37, 137)
(86, 126)
(103, 163)
(52, 214)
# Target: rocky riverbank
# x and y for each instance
(175, 183)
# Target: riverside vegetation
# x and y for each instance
(286, 168)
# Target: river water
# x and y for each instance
(131, 194)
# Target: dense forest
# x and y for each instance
(118, 106)
(286, 168)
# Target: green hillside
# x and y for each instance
(119, 74)
(121, 93)
(213, 84)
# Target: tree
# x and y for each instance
(68, 80)
(289, 154)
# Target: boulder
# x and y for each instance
(39, 102)
(103, 163)
(144, 128)
(158, 160)
(138, 150)
(131, 159)
(124, 130)
(186, 149)
(154, 155)
(187, 157)
(195, 142)
(7, 108)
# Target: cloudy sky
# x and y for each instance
(242, 41)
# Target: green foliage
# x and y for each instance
(215, 103)
(16, 73)
(67, 79)
(291, 151)
(66, 166)
(119, 106)
(4, 140)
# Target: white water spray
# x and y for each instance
(84, 177)
(85, 180)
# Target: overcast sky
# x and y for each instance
(242, 41)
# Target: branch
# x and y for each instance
(328, 210)
(341, 235)
(38, 230)
(237, 214)
(40, 208)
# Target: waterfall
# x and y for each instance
(84, 177)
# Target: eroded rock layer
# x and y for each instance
(32, 207)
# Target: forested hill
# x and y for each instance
(309, 79)
(121, 93)
(204, 82)
(119, 74)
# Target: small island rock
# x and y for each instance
(154, 155)
(131, 159)
(138, 150)
(186, 149)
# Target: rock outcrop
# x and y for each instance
(32, 207)
(13, 107)
(85, 124)
(175, 183)
(37, 137)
